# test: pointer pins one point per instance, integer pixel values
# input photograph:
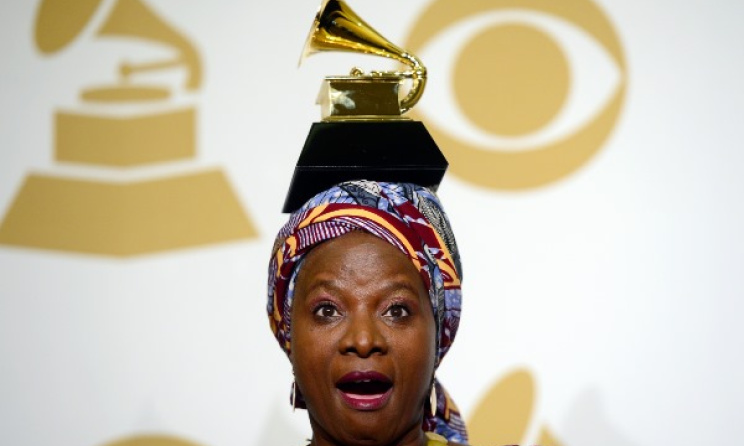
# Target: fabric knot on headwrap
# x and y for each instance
(407, 216)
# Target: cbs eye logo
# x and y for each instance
(521, 92)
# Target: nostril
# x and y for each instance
(363, 340)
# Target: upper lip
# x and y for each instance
(364, 376)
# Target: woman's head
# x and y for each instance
(363, 340)
(350, 276)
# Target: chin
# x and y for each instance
(382, 425)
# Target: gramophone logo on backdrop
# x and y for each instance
(130, 125)
(505, 414)
(152, 440)
(516, 107)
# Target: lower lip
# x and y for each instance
(366, 402)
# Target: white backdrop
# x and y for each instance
(617, 287)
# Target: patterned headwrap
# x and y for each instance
(408, 217)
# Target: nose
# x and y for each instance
(363, 337)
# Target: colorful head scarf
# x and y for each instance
(407, 216)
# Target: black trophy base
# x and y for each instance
(393, 151)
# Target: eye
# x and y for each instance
(397, 311)
(593, 78)
(326, 311)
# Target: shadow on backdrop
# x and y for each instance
(587, 423)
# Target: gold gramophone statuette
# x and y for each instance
(362, 135)
(360, 95)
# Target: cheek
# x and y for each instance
(430, 334)
(431, 345)
(416, 361)
(311, 350)
(418, 351)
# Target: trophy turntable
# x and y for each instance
(363, 133)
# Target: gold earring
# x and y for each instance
(433, 399)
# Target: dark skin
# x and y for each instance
(361, 306)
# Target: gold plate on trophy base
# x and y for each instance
(125, 219)
(125, 141)
(359, 97)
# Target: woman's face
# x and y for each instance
(363, 342)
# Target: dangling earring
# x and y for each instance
(294, 395)
(433, 399)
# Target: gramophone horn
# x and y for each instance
(337, 28)
(58, 22)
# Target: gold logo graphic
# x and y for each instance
(128, 124)
(152, 440)
(503, 416)
(511, 80)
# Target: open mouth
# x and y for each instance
(365, 390)
(365, 387)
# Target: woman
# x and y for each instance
(364, 297)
